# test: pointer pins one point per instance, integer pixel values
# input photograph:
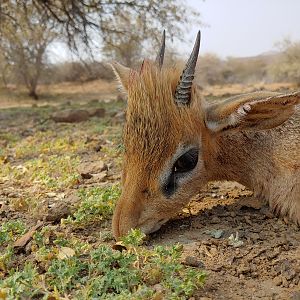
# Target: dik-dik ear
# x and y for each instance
(260, 110)
(122, 73)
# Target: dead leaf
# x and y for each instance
(26, 238)
(65, 252)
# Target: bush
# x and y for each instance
(77, 72)
(287, 65)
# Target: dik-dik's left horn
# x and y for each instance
(184, 88)
(160, 56)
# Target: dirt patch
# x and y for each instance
(265, 265)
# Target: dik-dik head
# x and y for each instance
(169, 139)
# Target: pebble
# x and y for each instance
(296, 295)
(215, 220)
(217, 234)
(285, 283)
(158, 287)
(193, 261)
(51, 195)
(243, 269)
(254, 236)
(277, 280)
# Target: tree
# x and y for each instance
(211, 69)
(24, 38)
(287, 66)
(126, 48)
(82, 21)
(124, 28)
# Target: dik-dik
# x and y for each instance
(175, 143)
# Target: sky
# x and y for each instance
(245, 27)
(239, 28)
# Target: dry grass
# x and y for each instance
(57, 93)
(234, 89)
(106, 91)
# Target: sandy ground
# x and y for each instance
(264, 262)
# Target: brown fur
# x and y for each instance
(265, 160)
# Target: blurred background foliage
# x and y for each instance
(127, 31)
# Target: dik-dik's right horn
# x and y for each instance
(160, 56)
(184, 88)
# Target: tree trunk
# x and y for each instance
(33, 94)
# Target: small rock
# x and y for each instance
(28, 248)
(51, 195)
(57, 212)
(71, 116)
(88, 169)
(217, 234)
(65, 252)
(296, 295)
(158, 287)
(193, 262)
(213, 251)
(284, 283)
(248, 220)
(254, 236)
(99, 177)
(277, 280)
(97, 112)
(290, 274)
(215, 220)
(243, 269)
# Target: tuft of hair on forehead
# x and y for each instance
(154, 122)
(153, 82)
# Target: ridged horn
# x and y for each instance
(184, 87)
(160, 56)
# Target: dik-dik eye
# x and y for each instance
(180, 171)
(186, 162)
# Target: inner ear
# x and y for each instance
(122, 73)
(258, 110)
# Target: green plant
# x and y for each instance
(10, 230)
(23, 284)
(97, 205)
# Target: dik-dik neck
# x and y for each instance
(245, 157)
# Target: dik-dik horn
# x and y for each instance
(175, 143)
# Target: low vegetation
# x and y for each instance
(74, 256)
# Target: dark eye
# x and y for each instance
(186, 162)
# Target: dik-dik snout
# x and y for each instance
(150, 197)
(175, 142)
